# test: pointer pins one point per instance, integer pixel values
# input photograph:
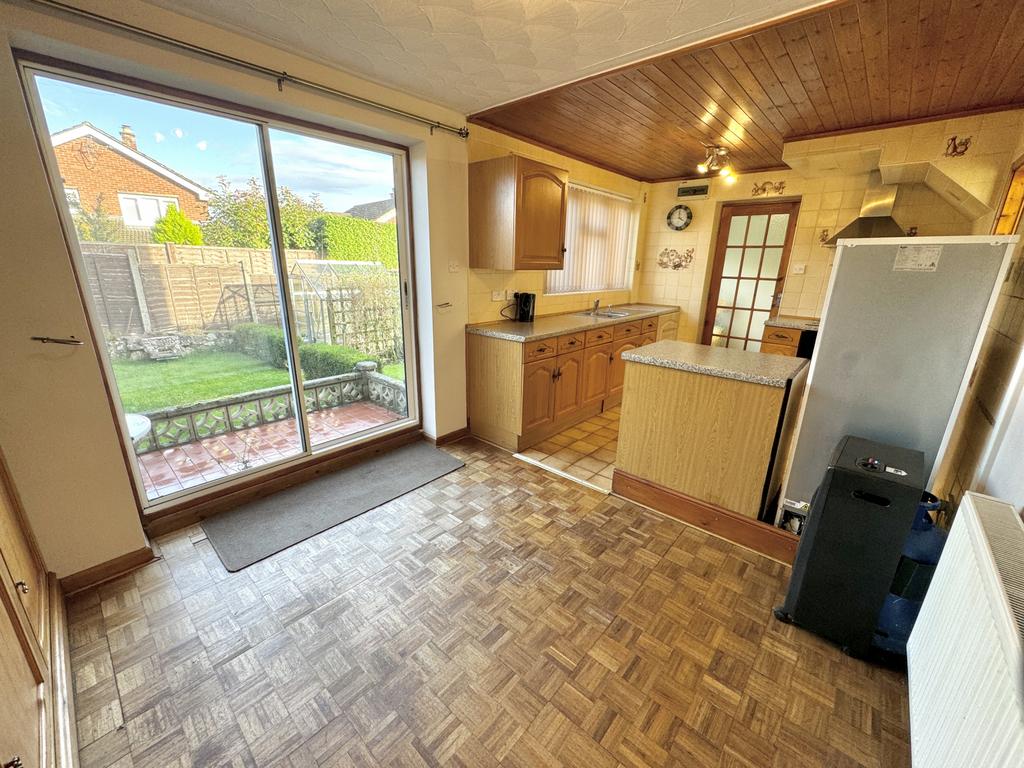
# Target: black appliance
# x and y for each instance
(850, 546)
(525, 305)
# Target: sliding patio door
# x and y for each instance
(228, 265)
(346, 280)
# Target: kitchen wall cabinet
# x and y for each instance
(516, 214)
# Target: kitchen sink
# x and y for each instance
(604, 313)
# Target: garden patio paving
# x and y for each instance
(185, 466)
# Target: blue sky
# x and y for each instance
(204, 147)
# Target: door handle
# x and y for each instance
(14, 762)
(71, 341)
(21, 586)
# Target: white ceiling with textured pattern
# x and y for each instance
(474, 54)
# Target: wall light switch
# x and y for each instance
(453, 266)
(497, 295)
(798, 269)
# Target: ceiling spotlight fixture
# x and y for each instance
(716, 158)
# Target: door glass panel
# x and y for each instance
(765, 292)
(777, 229)
(718, 341)
(734, 343)
(751, 262)
(745, 294)
(339, 222)
(753, 346)
(727, 292)
(756, 231)
(739, 322)
(757, 321)
(186, 298)
(731, 266)
(772, 259)
(723, 319)
(737, 230)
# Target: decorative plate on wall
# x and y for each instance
(679, 217)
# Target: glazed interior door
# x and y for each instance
(751, 255)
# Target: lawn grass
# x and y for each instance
(148, 385)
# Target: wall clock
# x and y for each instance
(679, 217)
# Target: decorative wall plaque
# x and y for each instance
(670, 258)
(768, 188)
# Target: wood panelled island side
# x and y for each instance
(704, 436)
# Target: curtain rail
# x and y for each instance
(280, 76)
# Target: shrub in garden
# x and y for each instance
(174, 227)
(322, 360)
(266, 343)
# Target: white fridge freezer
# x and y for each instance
(899, 337)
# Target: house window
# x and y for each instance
(73, 198)
(144, 210)
(600, 241)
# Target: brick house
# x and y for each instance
(134, 186)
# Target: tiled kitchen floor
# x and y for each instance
(585, 451)
(185, 466)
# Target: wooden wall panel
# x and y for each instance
(854, 64)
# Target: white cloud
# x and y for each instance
(201, 145)
(178, 132)
(159, 137)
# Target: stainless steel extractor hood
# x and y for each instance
(875, 219)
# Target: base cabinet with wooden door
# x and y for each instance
(516, 214)
(32, 720)
(521, 393)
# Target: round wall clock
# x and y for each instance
(679, 217)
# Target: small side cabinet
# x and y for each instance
(516, 214)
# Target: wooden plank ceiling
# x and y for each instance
(853, 65)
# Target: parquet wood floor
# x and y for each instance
(499, 616)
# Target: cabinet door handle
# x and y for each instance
(14, 762)
(21, 586)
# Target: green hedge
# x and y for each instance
(346, 238)
(266, 343)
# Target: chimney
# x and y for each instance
(128, 136)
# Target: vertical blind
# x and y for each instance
(600, 242)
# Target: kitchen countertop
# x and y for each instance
(738, 364)
(791, 321)
(549, 326)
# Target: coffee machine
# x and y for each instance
(525, 305)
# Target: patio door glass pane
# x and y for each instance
(339, 223)
(169, 205)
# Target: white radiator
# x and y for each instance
(965, 656)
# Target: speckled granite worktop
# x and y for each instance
(753, 367)
(791, 321)
(555, 325)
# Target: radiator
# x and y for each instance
(965, 660)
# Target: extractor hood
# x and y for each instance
(875, 219)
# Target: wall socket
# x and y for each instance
(505, 295)
(798, 269)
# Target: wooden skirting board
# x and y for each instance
(97, 574)
(763, 538)
(450, 437)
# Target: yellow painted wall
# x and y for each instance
(55, 424)
(829, 201)
(485, 144)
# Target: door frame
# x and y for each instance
(747, 208)
(28, 63)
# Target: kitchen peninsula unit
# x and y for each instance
(704, 435)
